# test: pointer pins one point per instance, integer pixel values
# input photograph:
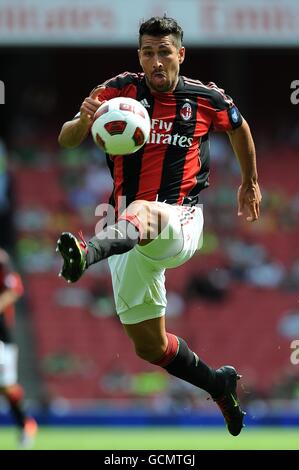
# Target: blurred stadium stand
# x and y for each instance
(229, 301)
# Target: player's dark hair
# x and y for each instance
(161, 26)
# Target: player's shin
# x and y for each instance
(113, 240)
(14, 395)
(183, 363)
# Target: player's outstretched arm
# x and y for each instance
(74, 132)
(249, 194)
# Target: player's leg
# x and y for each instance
(140, 223)
(155, 345)
(14, 394)
(10, 389)
(139, 289)
(27, 425)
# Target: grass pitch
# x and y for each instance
(163, 438)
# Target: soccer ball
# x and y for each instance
(121, 126)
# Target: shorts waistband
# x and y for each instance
(187, 201)
(191, 201)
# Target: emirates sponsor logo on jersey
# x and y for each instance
(161, 134)
(186, 112)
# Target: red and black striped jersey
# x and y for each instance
(9, 280)
(174, 162)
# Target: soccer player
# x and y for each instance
(11, 288)
(156, 198)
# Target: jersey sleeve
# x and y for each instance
(225, 114)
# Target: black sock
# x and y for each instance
(187, 366)
(113, 240)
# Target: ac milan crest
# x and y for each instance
(186, 111)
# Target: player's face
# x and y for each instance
(160, 59)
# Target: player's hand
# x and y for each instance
(90, 105)
(88, 109)
(249, 199)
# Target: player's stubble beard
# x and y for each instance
(166, 87)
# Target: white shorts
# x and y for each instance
(138, 276)
(8, 364)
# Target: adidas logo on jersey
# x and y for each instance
(144, 102)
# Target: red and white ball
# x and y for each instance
(121, 126)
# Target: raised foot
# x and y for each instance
(73, 253)
(229, 403)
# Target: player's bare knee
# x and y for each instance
(142, 210)
(137, 206)
(152, 216)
